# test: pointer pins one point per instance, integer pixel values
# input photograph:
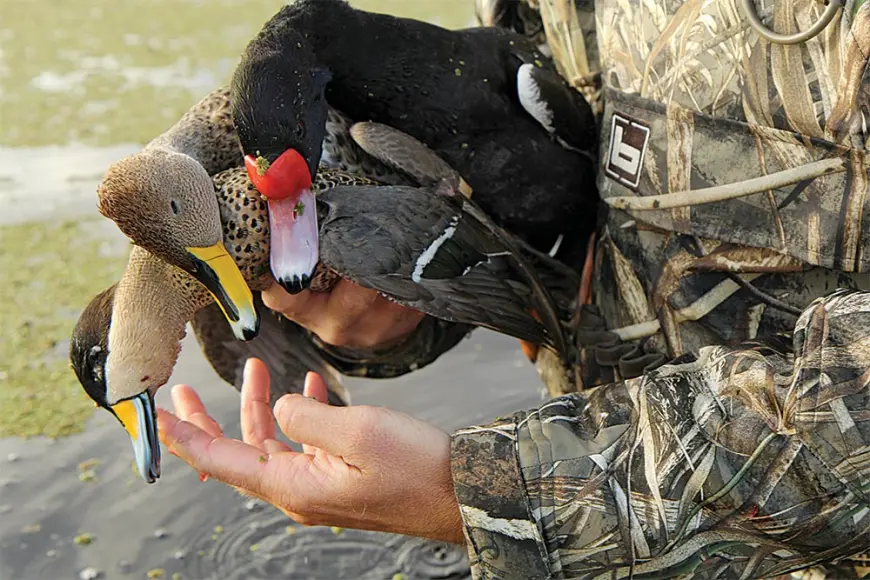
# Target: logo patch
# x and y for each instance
(628, 141)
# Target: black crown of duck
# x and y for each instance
(282, 138)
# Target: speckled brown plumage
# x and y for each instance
(415, 245)
(146, 312)
(206, 133)
(341, 151)
(244, 217)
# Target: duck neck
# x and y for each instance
(153, 303)
(245, 220)
(206, 133)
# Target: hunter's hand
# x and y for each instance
(361, 467)
(348, 316)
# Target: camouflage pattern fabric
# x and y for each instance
(735, 172)
(736, 176)
(729, 174)
(739, 462)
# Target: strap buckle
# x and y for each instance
(833, 6)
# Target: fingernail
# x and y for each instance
(246, 372)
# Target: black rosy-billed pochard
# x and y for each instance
(485, 100)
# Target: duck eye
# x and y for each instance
(174, 206)
(300, 129)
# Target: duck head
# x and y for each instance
(131, 404)
(126, 342)
(164, 201)
(280, 111)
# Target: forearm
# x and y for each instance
(689, 467)
(502, 534)
(431, 339)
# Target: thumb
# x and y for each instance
(290, 305)
(310, 422)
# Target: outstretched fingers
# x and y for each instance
(190, 408)
(228, 460)
(315, 388)
(256, 411)
(312, 423)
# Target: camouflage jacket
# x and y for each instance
(737, 462)
(736, 176)
(736, 173)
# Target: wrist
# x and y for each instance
(451, 531)
(429, 340)
(445, 523)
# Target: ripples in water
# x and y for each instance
(262, 543)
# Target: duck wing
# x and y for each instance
(545, 309)
(341, 151)
(284, 346)
(407, 154)
(411, 156)
(427, 251)
(561, 281)
(559, 109)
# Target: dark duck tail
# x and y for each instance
(431, 249)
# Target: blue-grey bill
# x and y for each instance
(139, 417)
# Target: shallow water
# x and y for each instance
(83, 83)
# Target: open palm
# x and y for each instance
(360, 467)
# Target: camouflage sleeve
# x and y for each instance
(737, 462)
(432, 338)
